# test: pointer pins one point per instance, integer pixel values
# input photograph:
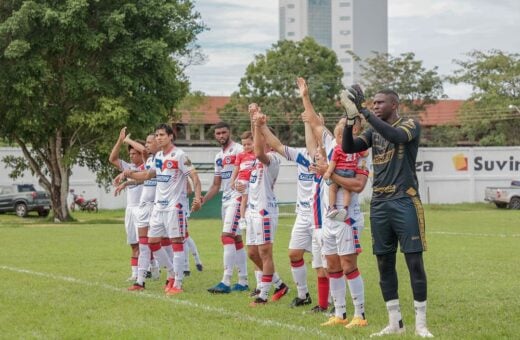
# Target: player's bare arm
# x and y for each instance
(213, 189)
(114, 154)
(234, 175)
(272, 140)
(259, 140)
(139, 175)
(197, 201)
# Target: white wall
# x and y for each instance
(439, 180)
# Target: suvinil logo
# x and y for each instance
(460, 162)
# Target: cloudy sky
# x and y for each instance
(437, 31)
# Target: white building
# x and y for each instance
(358, 26)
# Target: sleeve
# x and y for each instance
(335, 154)
(218, 165)
(297, 155)
(402, 133)
(274, 163)
(411, 128)
(124, 165)
(328, 142)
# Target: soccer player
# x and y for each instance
(168, 219)
(396, 213)
(143, 212)
(340, 236)
(234, 252)
(133, 195)
(262, 213)
(242, 172)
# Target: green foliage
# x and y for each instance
(486, 118)
(73, 72)
(416, 85)
(270, 81)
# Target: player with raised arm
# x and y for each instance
(171, 169)
(262, 213)
(234, 252)
(396, 213)
(340, 236)
(133, 195)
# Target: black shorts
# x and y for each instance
(399, 220)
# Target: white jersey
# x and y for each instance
(305, 178)
(261, 185)
(133, 192)
(172, 169)
(354, 209)
(224, 165)
(150, 185)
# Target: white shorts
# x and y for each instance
(143, 214)
(318, 259)
(230, 215)
(167, 223)
(301, 235)
(340, 238)
(261, 226)
(131, 225)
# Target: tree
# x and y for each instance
(486, 118)
(416, 85)
(73, 72)
(270, 81)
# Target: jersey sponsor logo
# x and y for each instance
(170, 164)
(163, 178)
(150, 183)
(253, 179)
(306, 177)
(187, 162)
(229, 159)
(218, 162)
(226, 174)
(163, 202)
(304, 204)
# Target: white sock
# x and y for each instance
(299, 275)
(193, 249)
(277, 281)
(143, 262)
(420, 314)
(186, 258)
(169, 253)
(394, 313)
(178, 262)
(266, 287)
(241, 264)
(338, 290)
(162, 256)
(357, 292)
(229, 262)
(258, 277)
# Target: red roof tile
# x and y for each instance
(207, 113)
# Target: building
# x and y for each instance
(358, 26)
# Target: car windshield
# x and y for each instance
(26, 188)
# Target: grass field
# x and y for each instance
(66, 281)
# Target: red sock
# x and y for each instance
(323, 292)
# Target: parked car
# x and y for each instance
(504, 197)
(23, 198)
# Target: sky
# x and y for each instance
(437, 31)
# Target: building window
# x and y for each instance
(345, 46)
(290, 34)
(290, 5)
(345, 18)
(291, 20)
(344, 4)
(344, 32)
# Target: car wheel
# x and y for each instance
(43, 213)
(21, 210)
(514, 203)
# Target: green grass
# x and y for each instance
(68, 281)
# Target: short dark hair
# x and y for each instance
(390, 93)
(246, 135)
(221, 125)
(167, 128)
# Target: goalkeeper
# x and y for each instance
(396, 213)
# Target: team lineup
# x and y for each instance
(331, 171)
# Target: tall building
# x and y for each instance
(359, 26)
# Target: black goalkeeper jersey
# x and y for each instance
(394, 163)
